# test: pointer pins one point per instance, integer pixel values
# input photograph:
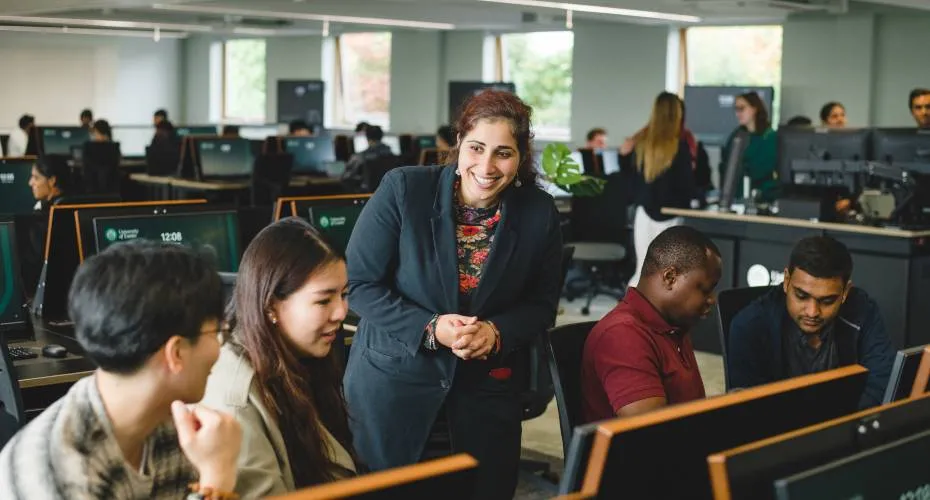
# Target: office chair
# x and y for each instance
(271, 177)
(11, 401)
(576, 458)
(342, 147)
(374, 170)
(409, 149)
(163, 156)
(4, 142)
(565, 346)
(729, 304)
(101, 167)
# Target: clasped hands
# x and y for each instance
(467, 337)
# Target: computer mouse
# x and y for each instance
(54, 351)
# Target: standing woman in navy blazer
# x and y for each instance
(453, 270)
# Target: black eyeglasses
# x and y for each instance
(222, 333)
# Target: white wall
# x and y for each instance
(54, 77)
(290, 58)
(415, 81)
(618, 71)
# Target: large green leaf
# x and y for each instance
(562, 170)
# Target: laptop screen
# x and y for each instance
(11, 296)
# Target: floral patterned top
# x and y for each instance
(474, 234)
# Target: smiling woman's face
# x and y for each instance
(310, 317)
(488, 162)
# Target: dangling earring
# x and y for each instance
(457, 173)
(518, 183)
(274, 319)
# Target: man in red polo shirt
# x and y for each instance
(639, 357)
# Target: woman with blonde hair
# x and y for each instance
(664, 177)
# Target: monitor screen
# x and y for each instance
(427, 141)
(196, 130)
(260, 132)
(895, 470)
(216, 234)
(393, 142)
(311, 154)
(133, 140)
(225, 157)
(11, 300)
(903, 373)
(710, 114)
(15, 194)
(901, 145)
(58, 140)
(336, 219)
(359, 143)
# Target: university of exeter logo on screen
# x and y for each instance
(110, 235)
(324, 222)
(759, 275)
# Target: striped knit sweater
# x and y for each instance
(69, 452)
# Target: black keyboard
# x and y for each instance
(21, 353)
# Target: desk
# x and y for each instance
(892, 265)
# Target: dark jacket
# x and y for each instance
(356, 164)
(402, 265)
(754, 351)
(674, 188)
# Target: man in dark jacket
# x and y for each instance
(816, 321)
(355, 168)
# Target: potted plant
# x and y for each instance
(562, 170)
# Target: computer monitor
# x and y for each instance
(663, 454)
(214, 233)
(59, 140)
(749, 471)
(449, 478)
(908, 146)
(195, 130)
(224, 158)
(426, 141)
(393, 142)
(359, 143)
(895, 470)
(260, 132)
(133, 140)
(709, 110)
(13, 315)
(799, 144)
(15, 194)
(734, 170)
(311, 154)
(334, 217)
(903, 373)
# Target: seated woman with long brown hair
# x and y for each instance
(278, 374)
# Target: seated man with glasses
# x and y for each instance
(147, 314)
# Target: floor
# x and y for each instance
(541, 438)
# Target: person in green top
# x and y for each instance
(760, 156)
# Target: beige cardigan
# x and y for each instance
(264, 467)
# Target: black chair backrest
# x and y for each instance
(729, 304)
(602, 218)
(163, 155)
(4, 142)
(374, 170)
(270, 178)
(576, 458)
(11, 401)
(342, 147)
(566, 346)
(101, 167)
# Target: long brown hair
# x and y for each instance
(762, 121)
(500, 105)
(657, 144)
(301, 393)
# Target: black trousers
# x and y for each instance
(482, 417)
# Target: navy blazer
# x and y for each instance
(754, 353)
(403, 269)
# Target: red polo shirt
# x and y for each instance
(634, 354)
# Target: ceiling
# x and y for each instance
(284, 17)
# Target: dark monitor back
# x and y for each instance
(807, 143)
(224, 158)
(311, 154)
(752, 471)
(15, 194)
(12, 299)
(668, 459)
(214, 233)
(334, 218)
(901, 145)
(195, 130)
(710, 114)
(895, 470)
(461, 91)
(59, 140)
(903, 373)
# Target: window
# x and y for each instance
(540, 65)
(363, 79)
(740, 55)
(244, 81)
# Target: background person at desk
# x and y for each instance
(299, 128)
(19, 137)
(445, 138)
(816, 321)
(919, 104)
(147, 315)
(354, 173)
(760, 155)
(664, 175)
(49, 182)
(833, 115)
(101, 131)
(639, 357)
(87, 119)
(596, 139)
(160, 116)
(279, 375)
(444, 314)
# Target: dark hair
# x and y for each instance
(230, 130)
(501, 105)
(361, 127)
(103, 127)
(762, 114)
(87, 113)
(918, 92)
(681, 247)
(594, 132)
(297, 125)
(374, 133)
(25, 121)
(56, 166)
(447, 134)
(821, 257)
(161, 113)
(827, 109)
(298, 391)
(799, 121)
(127, 301)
